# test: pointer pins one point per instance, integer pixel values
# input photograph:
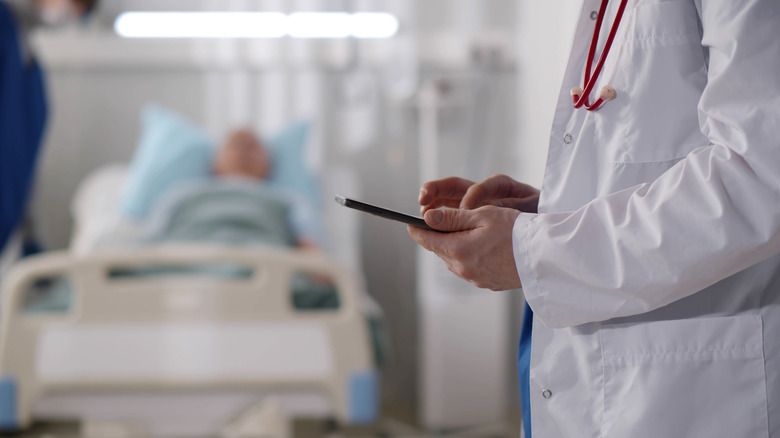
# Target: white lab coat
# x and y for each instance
(652, 267)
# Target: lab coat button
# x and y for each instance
(547, 393)
(594, 15)
(567, 138)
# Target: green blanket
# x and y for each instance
(224, 213)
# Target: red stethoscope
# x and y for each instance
(579, 96)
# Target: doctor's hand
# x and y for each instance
(498, 190)
(479, 247)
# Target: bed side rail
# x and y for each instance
(104, 294)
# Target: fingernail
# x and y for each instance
(436, 217)
(423, 192)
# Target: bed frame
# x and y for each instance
(181, 336)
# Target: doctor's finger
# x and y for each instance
(430, 240)
(452, 188)
(451, 220)
(494, 188)
(441, 202)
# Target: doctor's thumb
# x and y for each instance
(447, 219)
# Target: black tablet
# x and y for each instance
(384, 212)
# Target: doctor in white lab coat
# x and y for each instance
(651, 257)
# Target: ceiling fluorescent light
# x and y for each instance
(255, 25)
(201, 25)
(374, 25)
(319, 25)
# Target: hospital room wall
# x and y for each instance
(96, 107)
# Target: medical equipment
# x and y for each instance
(581, 97)
(463, 330)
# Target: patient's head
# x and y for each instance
(242, 154)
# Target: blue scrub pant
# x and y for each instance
(524, 368)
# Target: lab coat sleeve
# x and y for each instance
(713, 214)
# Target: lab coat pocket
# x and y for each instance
(689, 378)
(658, 62)
(663, 22)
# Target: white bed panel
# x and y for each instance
(184, 352)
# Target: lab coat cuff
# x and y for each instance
(523, 248)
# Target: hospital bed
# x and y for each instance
(182, 351)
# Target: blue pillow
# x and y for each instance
(288, 162)
(171, 150)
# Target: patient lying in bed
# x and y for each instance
(237, 207)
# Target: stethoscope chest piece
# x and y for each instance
(580, 96)
(606, 94)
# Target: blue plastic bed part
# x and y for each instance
(363, 397)
(8, 400)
